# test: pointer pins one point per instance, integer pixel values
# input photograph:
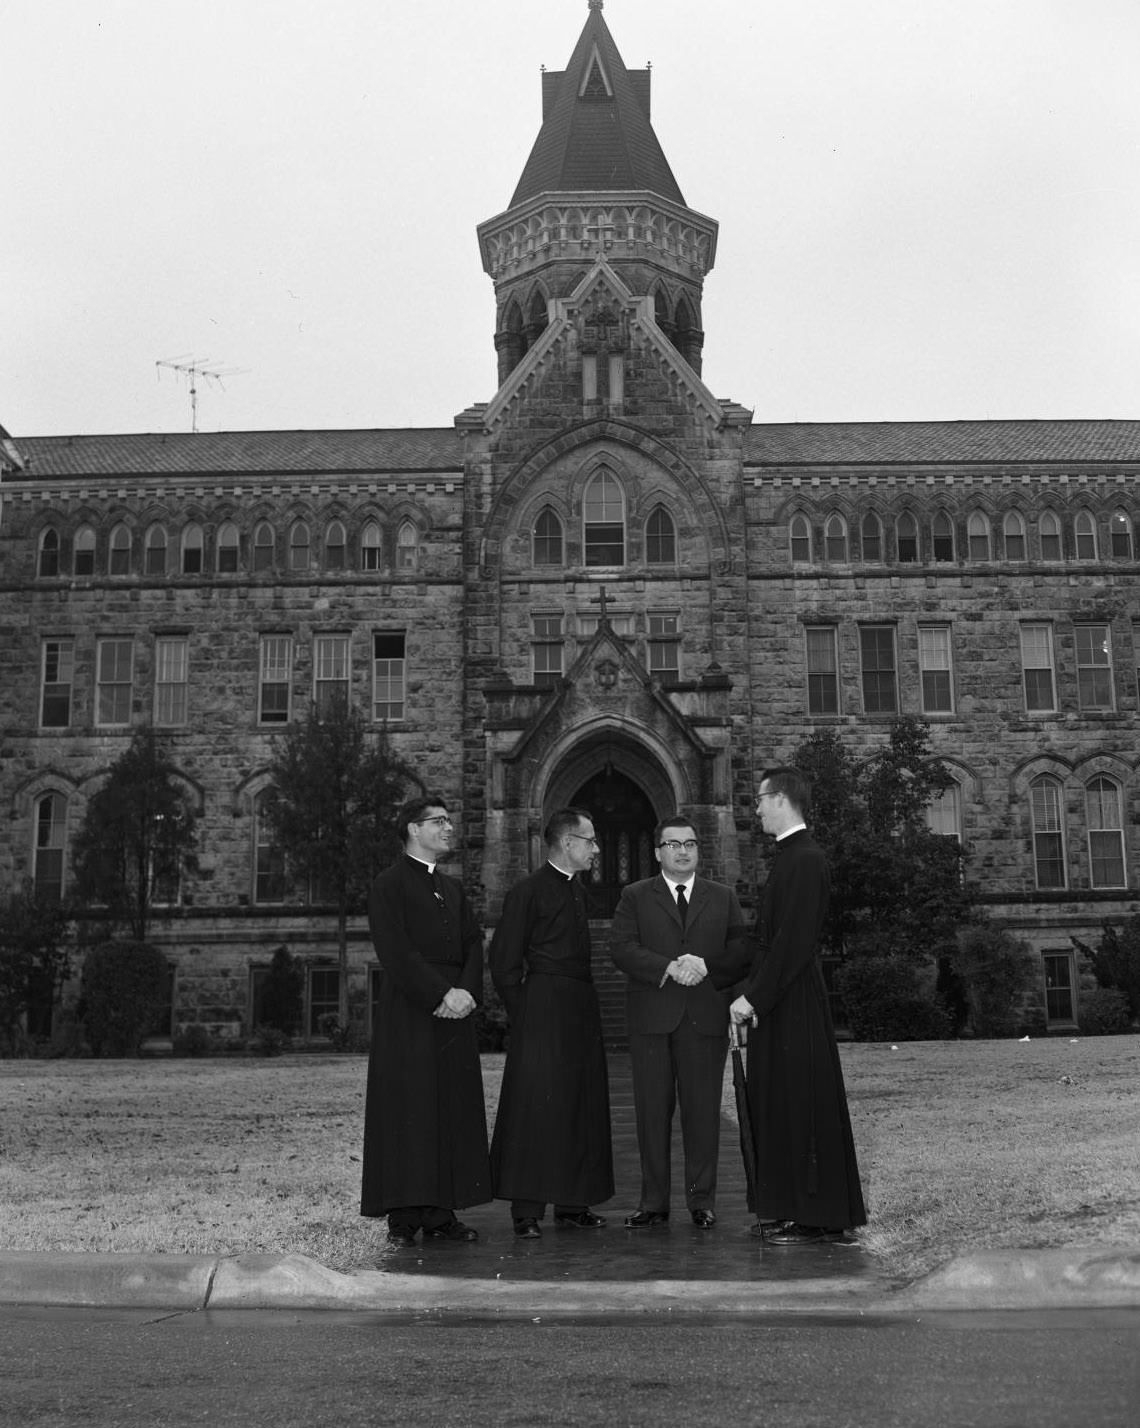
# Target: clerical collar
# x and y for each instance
(787, 833)
(562, 873)
(411, 857)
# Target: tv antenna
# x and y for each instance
(195, 368)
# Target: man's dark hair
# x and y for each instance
(794, 785)
(675, 820)
(413, 812)
(563, 821)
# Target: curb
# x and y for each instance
(1097, 1277)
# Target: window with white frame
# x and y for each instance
(171, 679)
(119, 552)
(58, 675)
(1120, 535)
(114, 659)
(275, 669)
(1060, 1006)
(978, 536)
(799, 537)
(620, 624)
(944, 812)
(336, 547)
(1013, 534)
(663, 645)
(1037, 669)
(603, 520)
(1094, 666)
(547, 538)
(822, 669)
(192, 550)
(835, 539)
(370, 558)
(936, 669)
(330, 673)
(872, 537)
(407, 546)
(50, 841)
(1084, 534)
(323, 996)
(264, 542)
(229, 546)
(879, 669)
(299, 547)
(546, 649)
(1049, 533)
(660, 538)
(1047, 814)
(1104, 815)
(388, 674)
(84, 551)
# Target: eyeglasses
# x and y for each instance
(584, 839)
(675, 847)
(440, 818)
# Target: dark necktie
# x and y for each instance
(682, 904)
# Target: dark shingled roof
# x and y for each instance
(912, 443)
(591, 141)
(246, 453)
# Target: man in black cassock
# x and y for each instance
(425, 1127)
(552, 1132)
(807, 1184)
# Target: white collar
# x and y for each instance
(787, 833)
(672, 884)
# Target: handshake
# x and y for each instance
(687, 970)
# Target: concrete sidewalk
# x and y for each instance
(678, 1270)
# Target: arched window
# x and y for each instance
(944, 812)
(1049, 529)
(336, 549)
(407, 546)
(1013, 532)
(978, 536)
(1120, 534)
(660, 538)
(192, 550)
(370, 547)
(547, 538)
(155, 551)
(268, 861)
(872, 537)
(942, 536)
(799, 539)
(1084, 528)
(1047, 813)
(51, 827)
(229, 546)
(299, 547)
(1105, 821)
(835, 539)
(906, 536)
(49, 552)
(263, 543)
(119, 552)
(84, 551)
(604, 520)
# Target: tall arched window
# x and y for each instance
(299, 547)
(263, 544)
(835, 539)
(1049, 530)
(49, 552)
(268, 862)
(1013, 533)
(336, 548)
(799, 540)
(84, 548)
(942, 536)
(119, 552)
(1047, 813)
(906, 536)
(978, 536)
(872, 537)
(229, 547)
(1104, 817)
(192, 545)
(407, 546)
(51, 827)
(1084, 529)
(155, 551)
(1120, 535)
(603, 518)
(370, 547)
(547, 538)
(660, 538)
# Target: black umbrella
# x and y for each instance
(738, 1036)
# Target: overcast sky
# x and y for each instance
(927, 208)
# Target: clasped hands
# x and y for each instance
(457, 1004)
(688, 970)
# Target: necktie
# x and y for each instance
(682, 903)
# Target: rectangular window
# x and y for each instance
(546, 649)
(822, 670)
(620, 624)
(113, 680)
(330, 672)
(1094, 666)
(934, 662)
(171, 679)
(1058, 987)
(58, 676)
(324, 996)
(1048, 834)
(880, 686)
(388, 671)
(1037, 668)
(276, 661)
(664, 645)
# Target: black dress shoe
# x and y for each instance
(763, 1228)
(453, 1230)
(796, 1234)
(528, 1229)
(704, 1219)
(583, 1220)
(402, 1239)
(646, 1219)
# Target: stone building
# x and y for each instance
(605, 585)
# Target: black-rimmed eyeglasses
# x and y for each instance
(441, 820)
(675, 846)
(584, 839)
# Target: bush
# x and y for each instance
(1000, 974)
(193, 1040)
(343, 1038)
(1104, 1012)
(269, 1041)
(124, 988)
(282, 993)
(885, 1001)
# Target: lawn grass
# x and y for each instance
(963, 1145)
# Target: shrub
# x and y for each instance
(885, 1001)
(1104, 1012)
(268, 1041)
(1000, 974)
(124, 988)
(343, 1038)
(282, 993)
(193, 1040)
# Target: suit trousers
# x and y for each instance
(680, 1065)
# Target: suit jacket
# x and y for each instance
(647, 935)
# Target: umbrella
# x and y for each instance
(737, 1036)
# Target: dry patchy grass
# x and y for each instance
(962, 1144)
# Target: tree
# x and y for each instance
(1116, 961)
(138, 837)
(33, 963)
(336, 789)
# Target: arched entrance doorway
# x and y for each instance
(623, 820)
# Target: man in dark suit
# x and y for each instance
(425, 1128)
(679, 939)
